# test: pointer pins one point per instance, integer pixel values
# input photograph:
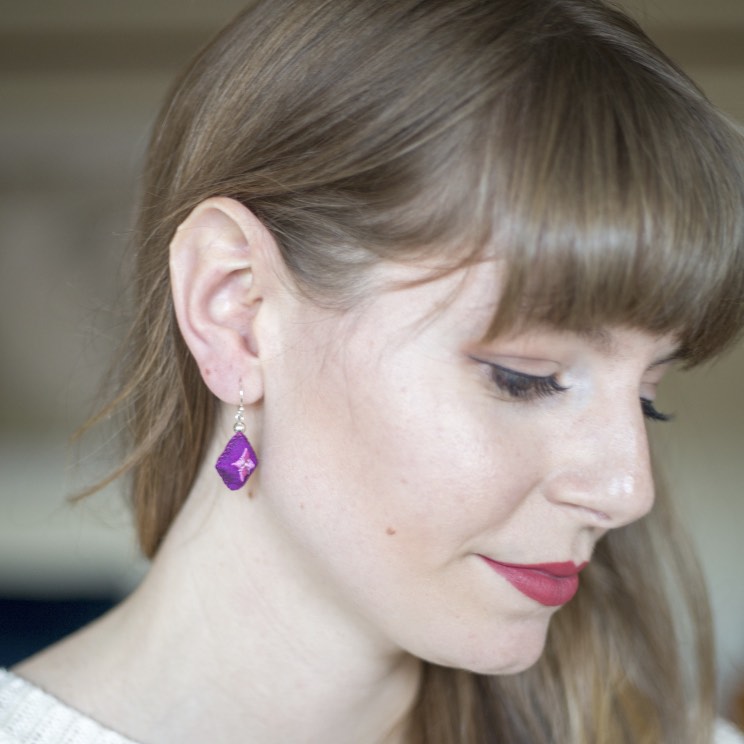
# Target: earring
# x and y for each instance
(238, 460)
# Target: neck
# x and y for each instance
(229, 640)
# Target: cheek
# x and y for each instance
(417, 462)
(458, 450)
(385, 485)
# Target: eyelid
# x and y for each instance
(524, 386)
(656, 373)
(527, 375)
(521, 385)
(522, 365)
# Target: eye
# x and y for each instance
(521, 386)
(650, 412)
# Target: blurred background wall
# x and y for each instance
(80, 82)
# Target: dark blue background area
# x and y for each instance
(28, 625)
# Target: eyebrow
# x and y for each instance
(675, 356)
(600, 338)
(604, 341)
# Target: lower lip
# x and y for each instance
(540, 584)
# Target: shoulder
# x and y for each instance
(726, 733)
(28, 715)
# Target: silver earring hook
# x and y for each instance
(239, 424)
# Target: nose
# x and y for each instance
(602, 468)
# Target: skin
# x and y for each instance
(391, 460)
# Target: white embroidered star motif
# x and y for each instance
(244, 465)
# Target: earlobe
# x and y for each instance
(223, 267)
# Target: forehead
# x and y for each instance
(425, 293)
(412, 299)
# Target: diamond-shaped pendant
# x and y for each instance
(237, 462)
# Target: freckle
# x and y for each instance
(390, 531)
(302, 504)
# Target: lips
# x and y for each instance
(550, 584)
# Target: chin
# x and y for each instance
(520, 664)
(513, 662)
(495, 653)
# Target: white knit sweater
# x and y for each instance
(29, 715)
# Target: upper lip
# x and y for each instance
(559, 569)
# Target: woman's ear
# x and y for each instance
(225, 266)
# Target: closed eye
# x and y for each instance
(521, 386)
(650, 412)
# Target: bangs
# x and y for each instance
(553, 134)
(616, 197)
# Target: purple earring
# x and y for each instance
(238, 460)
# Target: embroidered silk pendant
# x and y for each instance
(237, 462)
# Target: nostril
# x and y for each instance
(599, 517)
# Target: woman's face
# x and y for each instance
(407, 467)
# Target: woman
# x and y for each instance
(432, 259)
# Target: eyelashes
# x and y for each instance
(650, 412)
(524, 387)
(521, 386)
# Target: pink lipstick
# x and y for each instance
(550, 584)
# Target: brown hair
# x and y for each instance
(551, 131)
